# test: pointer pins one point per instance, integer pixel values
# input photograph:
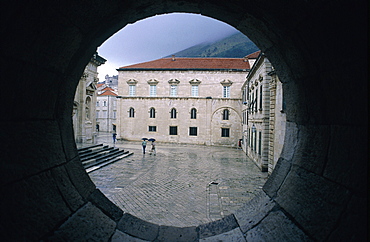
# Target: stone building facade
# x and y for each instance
(182, 100)
(106, 109)
(83, 116)
(263, 115)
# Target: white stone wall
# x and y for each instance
(209, 110)
(280, 125)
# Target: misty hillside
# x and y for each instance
(234, 46)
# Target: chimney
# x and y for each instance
(173, 58)
(245, 59)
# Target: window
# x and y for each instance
(173, 90)
(194, 91)
(132, 90)
(261, 98)
(259, 142)
(105, 114)
(173, 130)
(225, 114)
(257, 99)
(226, 91)
(255, 141)
(131, 113)
(173, 113)
(193, 113)
(152, 128)
(193, 131)
(104, 103)
(97, 114)
(114, 114)
(152, 113)
(97, 103)
(153, 90)
(225, 132)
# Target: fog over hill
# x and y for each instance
(234, 46)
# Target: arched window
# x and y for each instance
(152, 113)
(193, 113)
(131, 113)
(225, 114)
(173, 113)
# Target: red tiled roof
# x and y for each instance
(107, 88)
(99, 84)
(253, 55)
(191, 63)
(107, 93)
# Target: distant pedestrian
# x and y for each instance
(144, 145)
(114, 137)
(152, 151)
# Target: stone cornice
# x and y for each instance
(153, 82)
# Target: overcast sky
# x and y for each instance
(155, 37)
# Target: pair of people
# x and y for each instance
(152, 150)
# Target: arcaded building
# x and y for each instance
(182, 100)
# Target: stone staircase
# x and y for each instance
(97, 156)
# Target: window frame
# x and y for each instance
(173, 130)
(132, 90)
(225, 132)
(193, 131)
(226, 91)
(225, 114)
(193, 113)
(131, 112)
(152, 128)
(173, 113)
(152, 112)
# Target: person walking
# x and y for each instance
(144, 145)
(153, 149)
(114, 137)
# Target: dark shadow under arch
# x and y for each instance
(318, 189)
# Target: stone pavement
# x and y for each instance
(183, 185)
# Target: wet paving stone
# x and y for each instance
(183, 185)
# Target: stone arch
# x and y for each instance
(48, 193)
(217, 123)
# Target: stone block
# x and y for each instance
(254, 211)
(277, 177)
(234, 235)
(276, 227)
(79, 178)
(347, 159)
(119, 236)
(66, 188)
(87, 224)
(109, 208)
(355, 214)
(312, 146)
(169, 233)
(217, 227)
(32, 208)
(136, 227)
(290, 141)
(35, 147)
(314, 202)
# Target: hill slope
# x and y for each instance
(234, 46)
